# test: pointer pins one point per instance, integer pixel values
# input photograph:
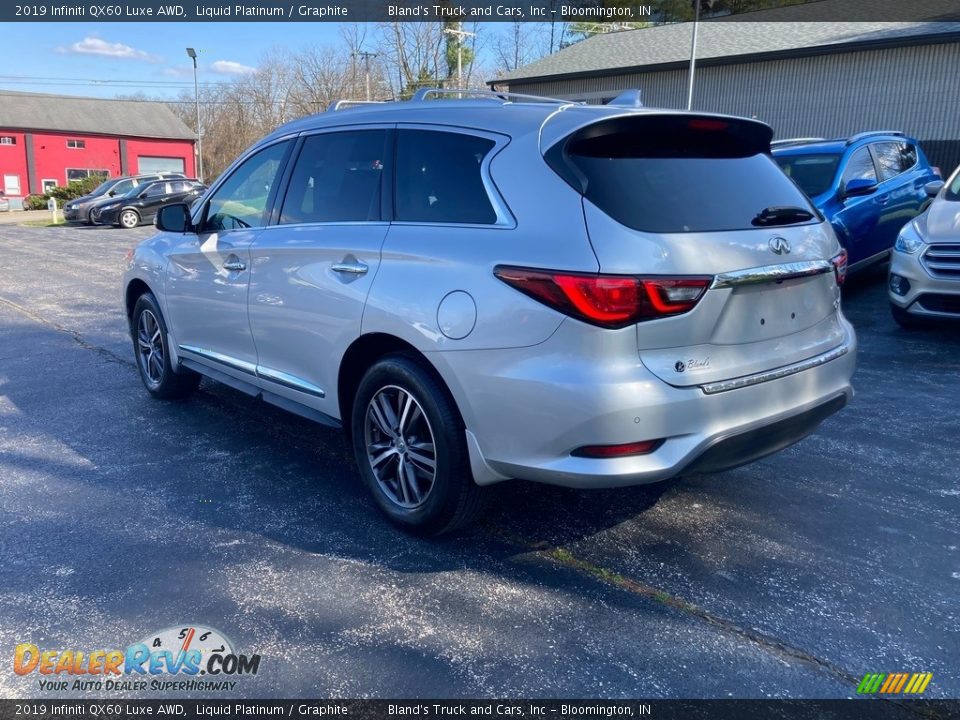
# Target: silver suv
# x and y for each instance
(483, 289)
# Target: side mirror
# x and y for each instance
(933, 187)
(859, 186)
(111, 193)
(174, 218)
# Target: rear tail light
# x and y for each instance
(645, 447)
(609, 301)
(840, 266)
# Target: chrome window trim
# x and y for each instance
(775, 374)
(772, 273)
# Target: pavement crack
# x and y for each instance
(75, 335)
(562, 556)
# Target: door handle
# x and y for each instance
(351, 266)
(234, 264)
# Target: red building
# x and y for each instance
(48, 140)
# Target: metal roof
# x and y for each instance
(722, 41)
(97, 116)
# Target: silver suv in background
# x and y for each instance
(924, 283)
(482, 289)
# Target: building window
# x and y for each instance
(81, 173)
(76, 144)
(8, 140)
(47, 185)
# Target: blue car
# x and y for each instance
(868, 186)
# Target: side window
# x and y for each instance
(337, 178)
(888, 159)
(241, 201)
(438, 178)
(908, 156)
(155, 190)
(860, 166)
(122, 187)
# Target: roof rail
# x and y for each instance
(797, 141)
(860, 136)
(424, 93)
(345, 104)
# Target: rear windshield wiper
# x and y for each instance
(783, 215)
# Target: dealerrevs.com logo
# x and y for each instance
(185, 653)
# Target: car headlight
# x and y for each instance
(909, 239)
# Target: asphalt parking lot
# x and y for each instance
(793, 577)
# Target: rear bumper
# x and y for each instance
(526, 415)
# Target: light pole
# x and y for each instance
(196, 94)
(693, 47)
(460, 34)
(693, 53)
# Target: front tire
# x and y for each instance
(903, 318)
(129, 219)
(149, 333)
(409, 443)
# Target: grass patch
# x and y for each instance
(42, 223)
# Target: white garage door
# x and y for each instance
(159, 164)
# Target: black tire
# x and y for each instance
(153, 362)
(124, 214)
(453, 500)
(905, 319)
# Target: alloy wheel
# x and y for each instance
(129, 219)
(400, 446)
(150, 345)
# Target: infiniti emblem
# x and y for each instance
(779, 245)
(679, 366)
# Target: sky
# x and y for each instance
(110, 59)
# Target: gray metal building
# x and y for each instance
(820, 79)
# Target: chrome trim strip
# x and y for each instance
(277, 376)
(230, 362)
(772, 273)
(290, 381)
(776, 374)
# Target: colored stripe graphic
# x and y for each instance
(894, 683)
(870, 683)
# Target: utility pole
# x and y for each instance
(192, 54)
(460, 34)
(366, 65)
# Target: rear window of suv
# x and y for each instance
(677, 173)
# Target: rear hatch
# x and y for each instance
(678, 196)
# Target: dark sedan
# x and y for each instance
(142, 203)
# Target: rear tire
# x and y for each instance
(410, 446)
(149, 332)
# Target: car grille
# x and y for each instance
(943, 260)
(936, 302)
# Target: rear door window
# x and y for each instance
(889, 160)
(672, 174)
(337, 178)
(439, 178)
